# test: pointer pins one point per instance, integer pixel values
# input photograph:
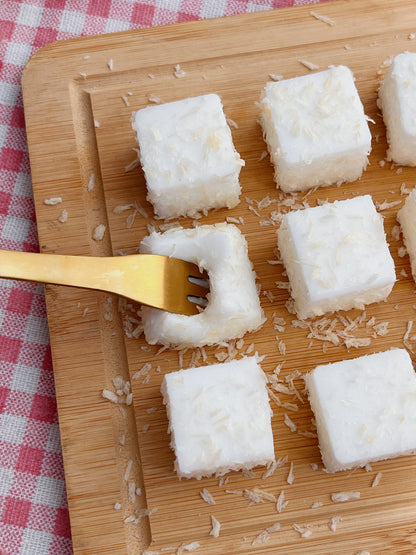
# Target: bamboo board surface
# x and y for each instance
(79, 124)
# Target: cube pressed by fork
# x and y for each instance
(365, 408)
(233, 307)
(219, 418)
(188, 156)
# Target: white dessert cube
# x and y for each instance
(219, 418)
(233, 307)
(397, 100)
(188, 156)
(336, 256)
(406, 217)
(365, 408)
(315, 129)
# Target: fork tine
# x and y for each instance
(179, 286)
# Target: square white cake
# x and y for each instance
(188, 156)
(406, 217)
(219, 418)
(336, 256)
(365, 408)
(397, 100)
(233, 306)
(315, 129)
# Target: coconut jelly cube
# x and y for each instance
(219, 418)
(336, 256)
(188, 156)
(315, 129)
(406, 217)
(397, 100)
(365, 408)
(233, 307)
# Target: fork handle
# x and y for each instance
(78, 271)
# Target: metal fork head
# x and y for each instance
(186, 287)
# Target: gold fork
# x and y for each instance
(160, 281)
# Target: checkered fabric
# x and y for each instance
(33, 509)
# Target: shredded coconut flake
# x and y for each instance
(154, 99)
(110, 64)
(52, 201)
(207, 497)
(91, 182)
(323, 18)
(333, 523)
(345, 496)
(304, 531)
(109, 395)
(309, 65)
(281, 502)
(290, 477)
(216, 527)
(63, 217)
(377, 479)
(178, 72)
(98, 233)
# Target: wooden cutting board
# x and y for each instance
(78, 98)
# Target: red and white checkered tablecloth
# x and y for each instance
(33, 508)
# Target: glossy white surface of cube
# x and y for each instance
(188, 156)
(336, 256)
(365, 408)
(315, 129)
(397, 100)
(219, 418)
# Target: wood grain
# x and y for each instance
(232, 57)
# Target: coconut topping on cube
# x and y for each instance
(407, 220)
(233, 307)
(219, 418)
(365, 408)
(336, 256)
(397, 100)
(315, 129)
(188, 156)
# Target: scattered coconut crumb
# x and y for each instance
(333, 523)
(382, 163)
(98, 233)
(377, 479)
(316, 504)
(314, 466)
(363, 553)
(96, 123)
(290, 477)
(232, 123)
(178, 72)
(275, 77)
(52, 201)
(216, 527)
(83, 75)
(411, 36)
(323, 18)
(110, 64)
(368, 467)
(63, 217)
(386, 205)
(125, 100)
(134, 163)
(132, 492)
(207, 497)
(281, 502)
(117, 506)
(110, 395)
(155, 99)
(395, 232)
(290, 424)
(304, 531)
(189, 547)
(273, 466)
(345, 496)
(402, 252)
(128, 470)
(91, 182)
(347, 46)
(309, 65)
